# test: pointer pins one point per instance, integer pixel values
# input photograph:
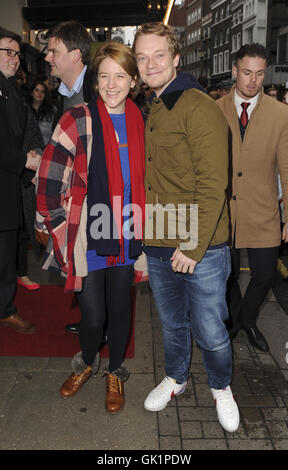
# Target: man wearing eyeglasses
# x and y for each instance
(259, 128)
(13, 162)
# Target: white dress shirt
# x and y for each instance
(238, 100)
(64, 90)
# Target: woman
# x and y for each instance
(32, 140)
(107, 137)
(45, 111)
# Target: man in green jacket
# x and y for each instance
(186, 227)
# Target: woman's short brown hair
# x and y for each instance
(122, 54)
(159, 29)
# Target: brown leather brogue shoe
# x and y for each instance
(114, 393)
(18, 324)
(74, 382)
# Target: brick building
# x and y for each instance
(212, 31)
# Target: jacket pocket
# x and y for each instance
(174, 217)
(171, 154)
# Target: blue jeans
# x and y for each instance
(194, 303)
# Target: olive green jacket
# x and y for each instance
(186, 164)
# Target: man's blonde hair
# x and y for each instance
(159, 29)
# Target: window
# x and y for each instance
(227, 35)
(238, 41)
(226, 61)
(221, 38)
(234, 42)
(215, 63)
(220, 63)
(250, 35)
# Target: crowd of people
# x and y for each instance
(74, 167)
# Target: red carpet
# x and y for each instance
(50, 310)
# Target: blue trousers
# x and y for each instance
(194, 303)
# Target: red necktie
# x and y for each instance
(244, 116)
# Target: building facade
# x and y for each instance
(236, 27)
(220, 41)
(255, 21)
(212, 31)
(194, 37)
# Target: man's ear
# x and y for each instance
(234, 71)
(76, 53)
(176, 60)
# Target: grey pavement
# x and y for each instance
(33, 416)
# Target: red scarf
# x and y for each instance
(136, 151)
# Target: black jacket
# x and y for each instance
(12, 161)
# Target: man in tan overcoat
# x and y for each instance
(259, 128)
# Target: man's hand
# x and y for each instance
(33, 160)
(42, 237)
(181, 263)
(285, 232)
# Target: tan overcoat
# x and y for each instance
(254, 207)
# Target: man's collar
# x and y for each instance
(252, 100)
(170, 99)
(3, 79)
(64, 90)
(232, 94)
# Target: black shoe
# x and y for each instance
(73, 328)
(257, 339)
(233, 333)
(234, 330)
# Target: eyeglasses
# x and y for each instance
(12, 53)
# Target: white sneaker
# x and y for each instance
(158, 399)
(227, 409)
